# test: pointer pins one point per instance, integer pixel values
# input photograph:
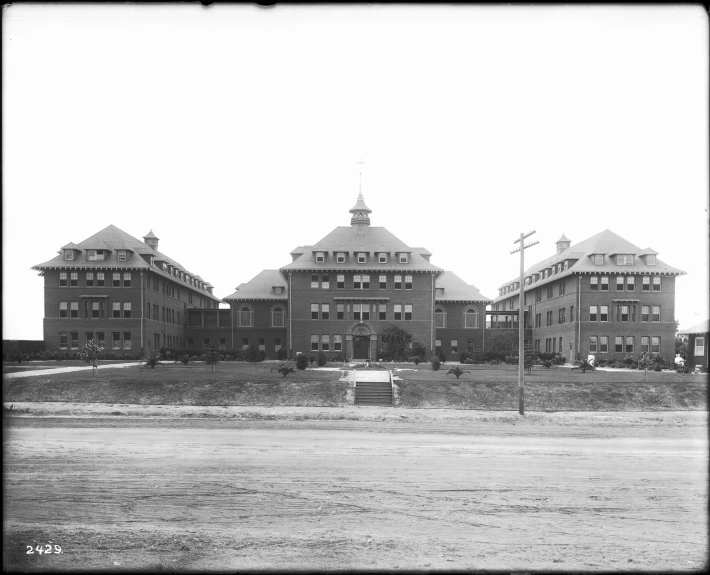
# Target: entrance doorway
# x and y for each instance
(361, 347)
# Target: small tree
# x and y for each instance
(302, 361)
(212, 356)
(90, 353)
(585, 366)
(645, 361)
(153, 360)
(284, 369)
(435, 363)
(253, 354)
(184, 359)
(395, 343)
(457, 371)
(418, 351)
(322, 359)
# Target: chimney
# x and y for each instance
(152, 240)
(562, 244)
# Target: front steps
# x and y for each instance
(373, 393)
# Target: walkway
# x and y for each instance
(54, 370)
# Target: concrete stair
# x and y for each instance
(373, 393)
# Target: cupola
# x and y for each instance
(360, 219)
(152, 240)
(562, 244)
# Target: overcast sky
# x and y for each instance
(233, 132)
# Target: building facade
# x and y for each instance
(697, 342)
(603, 297)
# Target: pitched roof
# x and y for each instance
(260, 287)
(605, 242)
(702, 327)
(344, 239)
(71, 246)
(455, 289)
(112, 238)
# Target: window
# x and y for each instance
(115, 340)
(357, 282)
(470, 318)
(95, 256)
(605, 283)
(562, 287)
(63, 339)
(320, 257)
(408, 312)
(314, 311)
(629, 344)
(603, 344)
(74, 338)
(62, 279)
(121, 257)
(619, 344)
(325, 283)
(454, 346)
(624, 313)
(314, 343)
(646, 283)
(340, 281)
(598, 260)
(625, 260)
(538, 295)
(619, 283)
(262, 344)
(116, 309)
(361, 258)
(63, 309)
(325, 342)
(644, 344)
(365, 282)
(245, 317)
(314, 281)
(340, 311)
(630, 283)
(277, 344)
(407, 282)
(325, 311)
(397, 282)
(549, 291)
(340, 258)
(594, 283)
(655, 344)
(382, 312)
(440, 317)
(644, 312)
(126, 309)
(650, 260)
(126, 340)
(592, 344)
(74, 279)
(604, 313)
(245, 342)
(337, 343)
(89, 279)
(592, 313)
(699, 346)
(656, 283)
(68, 254)
(95, 309)
(89, 336)
(127, 279)
(116, 280)
(205, 342)
(656, 313)
(277, 317)
(469, 346)
(361, 312)
(383, 282)
(403, 258)
(561, 315)
(382, 258)
(437, 345)
(397, 312)
(162, 314)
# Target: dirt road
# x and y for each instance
(204, 495)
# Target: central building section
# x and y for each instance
(348, 287)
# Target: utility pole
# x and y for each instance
(521, 319)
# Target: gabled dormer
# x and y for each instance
(382, 257)
(123, 254)
(622, 259)
(403, 257)
(70, 252)
(320, 256)
(648, 256)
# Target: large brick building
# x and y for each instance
(603, 297)
(120, 292)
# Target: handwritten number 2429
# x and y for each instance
(41, 549)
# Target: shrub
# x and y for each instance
(418, 350)
(559, 359)
(463, 356)
(153, 360)
(442, 357)
(312, 359)
(457, 371)
(322, 359)
(415, 359)
(395, 343)
(547, 364)
(281, 354)
(435, 363)
(338, 357)
(254, 354)
(184, 359)
(602, 362)
(585, 366)
(302, 361)
(284, 369)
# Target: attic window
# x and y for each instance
(361, 258)
(320, 257)
(68, 254)
(624, 260)
(152, 260)
(650, 260)
(382, 258)
(121, 255)
(440, 292)
(565, 266)
(403, 258)
(278, 290)
(165, 266)
(95, 255)
(527, 281)
(340, 258)
(598, 260)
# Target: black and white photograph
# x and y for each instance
(355, 287)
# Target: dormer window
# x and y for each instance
(278, 290)
(152, 260)
(564, 267)
(121, 255)
(403, 258)
(340, 258)
(361, 258)
(382, 258)
(68, 255)
(440, 292)
(320, 257)
(598, 259)
(651, 260)
(165, 266)
(624, 260)
(95, 255)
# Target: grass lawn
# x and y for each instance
(482, 388)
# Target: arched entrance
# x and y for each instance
(361, 347)
(361, 343)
